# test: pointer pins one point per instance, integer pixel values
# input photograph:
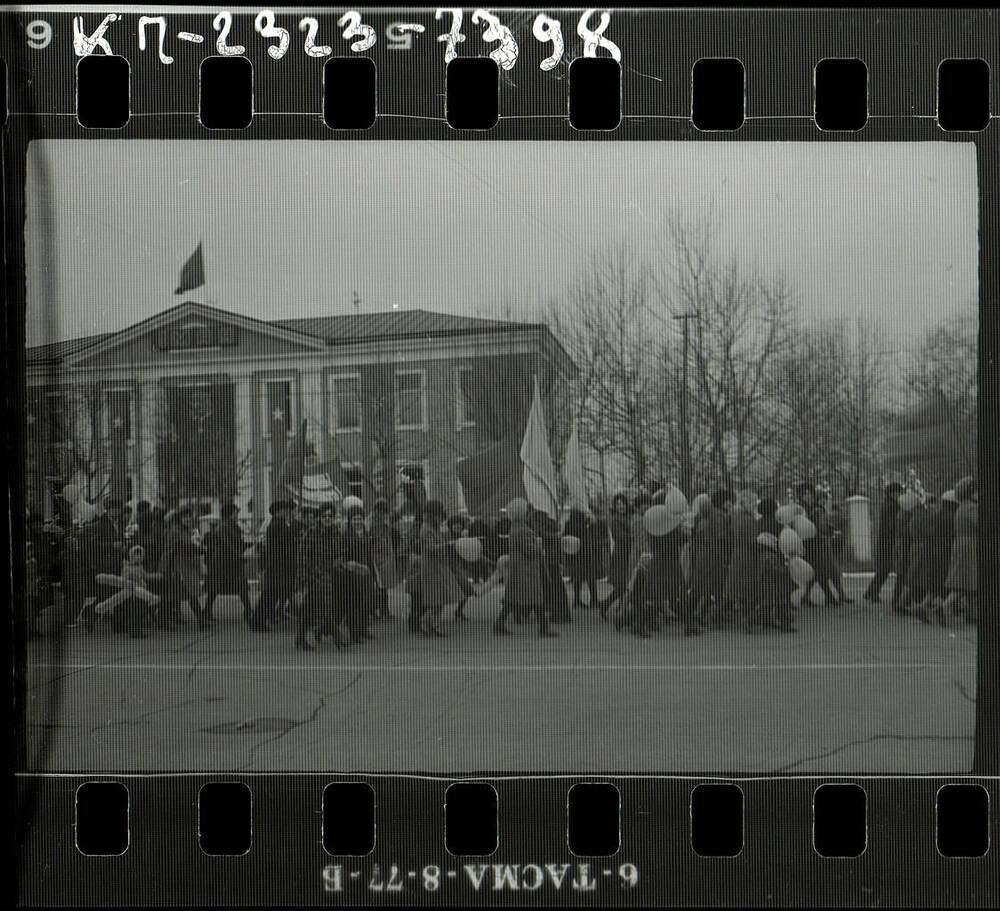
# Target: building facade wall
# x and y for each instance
(379, 447)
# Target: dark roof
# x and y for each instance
(334, 330)
(348, 328)
(54, 352)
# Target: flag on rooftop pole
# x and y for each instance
(193, 273)
(539, 475)
(572, 473)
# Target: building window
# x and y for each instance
(345, 402)
(355, 480)
(279, 407)
(463, 411)
(411, 400)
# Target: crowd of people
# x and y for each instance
(725, 559)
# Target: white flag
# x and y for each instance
(573, 473)
(539, 475)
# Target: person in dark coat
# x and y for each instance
(908, 502)
(661, 581)
(941, 544)
(601, 535)
(456, 528)
(962, 581)
(412, 584)
(826, 567)
(583, 566)
(885, 540)
(923, 527)
(226, 568)
(524, 591)
(775, 582)
(553, 587)
(621, 536)
(479, 529)
(438, 584)
(359, 577)
(709, 554)
(280, 553)
(319, 578)
(743, 571)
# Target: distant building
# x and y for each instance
(198, 404)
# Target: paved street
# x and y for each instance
(856, 690)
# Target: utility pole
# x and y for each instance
(686, 472)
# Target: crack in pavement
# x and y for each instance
(56, 679)
(964, 691)
(131, 721)
(872, 739)
(284, 733)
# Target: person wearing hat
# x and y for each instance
(359, 575)
(744, 570)
(320, 571)
(885, 539)
(941, 539)
(962, 581)
(901, 551)
(663, 584)
(280, 552)
(437, 581)
(384, 558)
(224, 563)
(524, 591)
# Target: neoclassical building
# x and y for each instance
(199, 404)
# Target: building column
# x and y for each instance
(147, 469)
(246, 446)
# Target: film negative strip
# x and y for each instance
(502, 456)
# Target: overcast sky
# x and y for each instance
(294, 228)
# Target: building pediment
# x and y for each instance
(194, 330)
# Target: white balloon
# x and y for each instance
(804, 528)
(469, 549)
(790, 543)
(800, 571)
(570, 545)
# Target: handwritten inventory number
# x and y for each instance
(400, 35)
(492, 877)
